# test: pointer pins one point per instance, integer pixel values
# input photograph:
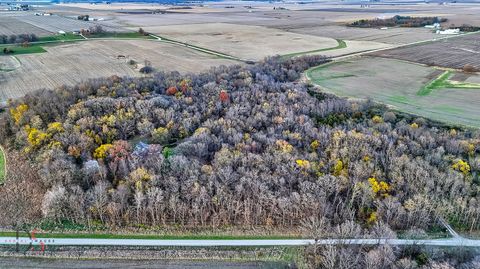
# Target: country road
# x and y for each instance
(450, 242)
(455, 241)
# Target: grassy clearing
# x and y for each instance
(341, 45)
(17, 50)
(3, 167)
(443, 82)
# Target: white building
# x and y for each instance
(433, 26)
(449, 32)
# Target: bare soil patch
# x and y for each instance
(453, 52)
(246, 42)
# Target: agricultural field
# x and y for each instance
(13, 26)
(453, 52)
(396, 36)
(8, 63)
(425, 91)
(246, 42)
(73, 62)
(349, 47)
(56, 23)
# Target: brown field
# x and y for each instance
(389, 36)
(354, 46)
(74, 62)
(246, 42)
(14, 25)
(453, 52)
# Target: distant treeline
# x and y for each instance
(12, 39)
(402, 21)
(468, 28)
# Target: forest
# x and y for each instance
(238, 146)
(402, 21)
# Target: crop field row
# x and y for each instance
(55, 23)
(388, 36)
(453, 52)
(71, 63)
(242, 41)
(409, 87)
(14, 26)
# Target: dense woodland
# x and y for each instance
(402, 21)
(242, 146)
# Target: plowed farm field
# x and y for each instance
(71, 63)
(453, 52)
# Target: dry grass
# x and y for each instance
(246, 42)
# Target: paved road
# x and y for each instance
(450, 242)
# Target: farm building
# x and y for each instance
(449, 32)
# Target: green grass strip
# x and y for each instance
(60, 37)
(150, 236)
(341, 45)
(17, 50)
(439, 82)
(443, 82)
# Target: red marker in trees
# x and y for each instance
(224, 96)
(172, 90)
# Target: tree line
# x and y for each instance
(397, 20)
(18, 39)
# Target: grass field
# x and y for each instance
(18, 50)
(408, 87)
(341, 45)
(2, 166)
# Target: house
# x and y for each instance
(433, 26)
